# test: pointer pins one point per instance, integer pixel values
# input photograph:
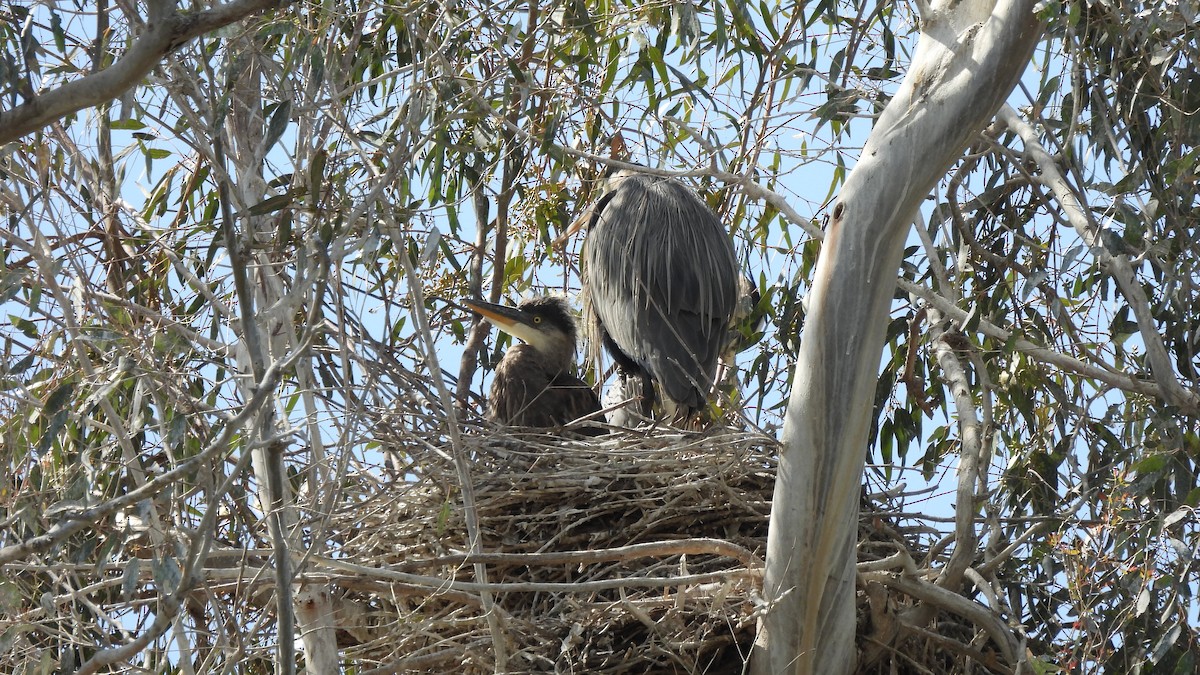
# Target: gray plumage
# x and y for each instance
(660, 286)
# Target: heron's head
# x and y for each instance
(544, 323)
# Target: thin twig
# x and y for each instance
(470, 512)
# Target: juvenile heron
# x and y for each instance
(533, 385)
(660, 289)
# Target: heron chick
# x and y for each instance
(533, 385)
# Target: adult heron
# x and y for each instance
(660, 285)
(533, 385)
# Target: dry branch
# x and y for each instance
(166, 29)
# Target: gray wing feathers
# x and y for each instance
(662, 277)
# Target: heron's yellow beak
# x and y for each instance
(515, 322)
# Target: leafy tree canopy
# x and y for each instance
(325, 179)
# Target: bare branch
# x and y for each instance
(470, 514)
(981, 616)
(438, 584)
(479, 332)
(1117, 265)
(656, 548)
(970, 454)
(165, 32)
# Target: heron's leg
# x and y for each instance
(647, 394)
(630, 400)
(622, 402)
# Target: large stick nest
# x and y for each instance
(629, 554)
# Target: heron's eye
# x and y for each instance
(537, 319)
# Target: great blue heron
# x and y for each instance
(660, 289)
(533, 385)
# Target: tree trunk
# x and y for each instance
(268, 335)
(968, 59)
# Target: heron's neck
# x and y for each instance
(558, 356)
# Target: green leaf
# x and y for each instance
(56, 27)
(10, 284)
(57, 423)
(1152, 464)
(1043, 667)
(271, 204)
(1193, 498)
(166, 574)
(21, 365)
(12, 633)
(316, 176)
(431, 248)
(128, 125)
(24, 325)
(443, 518)
(1176, 516)
(1143, 601)
(1165, 643)
(278, 124)
(57, 399)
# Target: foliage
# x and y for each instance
(319, 149)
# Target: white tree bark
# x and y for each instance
(968, 59)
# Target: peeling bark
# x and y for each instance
(969, 58)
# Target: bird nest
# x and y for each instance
(628, 554)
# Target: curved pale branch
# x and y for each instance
(1118, 266)
(969, 57)
(166, 30)
(1041, 353)
(981, 616)
(470, 513)
(971, 436)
